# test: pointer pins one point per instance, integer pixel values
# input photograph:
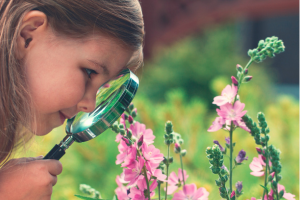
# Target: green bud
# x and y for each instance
(131, 107)
(170, 160)
(239, 68)
(210, 156)
(224, 178)
(121, 126)
(247, 79)
(270, 178)
(133, 114)
(274, 185)
(169, 127)
(122, 132)
(261, 44)
(223, 190)
(220, 164)
(223, 172)
(250, 53)
(183, 152)
(267, 138)
(212, 162)
(208, 150)
(279, 177)
(218, 183)
(129, 134)
(223, 195)
(165, 161)
(168, 141)
(281, 193)
(215, 170)
(180, 141)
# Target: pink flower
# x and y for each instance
(257, 166)
(138, 193)
(227, 114)
(287, 196)
(216, 125)
(190, 192)
(121, 190)
(134, 171)
(175, 181)
(228, 95)
(152, 154)
(124, 151)
(232, 112)
(140, 129)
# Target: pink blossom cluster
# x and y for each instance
(257, 166)
(140, 156)
(138, 159)
(230, 110)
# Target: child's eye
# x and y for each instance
(89, 72)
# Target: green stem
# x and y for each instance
(231, 150)
(277, 192)
(167, 172)
(145, 174)
(159, 191)
(182, 170)
(266, 171)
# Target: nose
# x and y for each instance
(87, 103)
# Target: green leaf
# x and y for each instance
(265, 188)
(115, 197)
(86, 198)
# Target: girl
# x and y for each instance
(54, 55)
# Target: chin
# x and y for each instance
(43, 131)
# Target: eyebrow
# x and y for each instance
(106, 71)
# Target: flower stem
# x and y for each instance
(266, 171)
(231, 150)
(159, 191)
(249, 63)
(145, 174)
(182, 170)
(167, 172)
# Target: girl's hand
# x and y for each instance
(29, 178)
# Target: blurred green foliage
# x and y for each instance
(179, 85)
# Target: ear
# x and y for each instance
(33, 25)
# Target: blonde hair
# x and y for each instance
(121, 19)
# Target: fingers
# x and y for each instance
(54, 166)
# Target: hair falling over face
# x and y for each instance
(69, 18)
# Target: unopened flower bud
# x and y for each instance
(130, 119)
(125, 116)
(168, 141)
(274, 185)
(180, 141)
(141, 140)
(239, 68)
(264, 158)
(208, 150)
(281, 193)
(223, 190)
(271, 176)
(183, 152)
(177, 148)
(245, 71)
(232, 194)
(131, 107)
(170, 160)
(261, 44)
(259, 151)
(133, 114)
(129, 133)
(126, 141)
(218, 183)
(122, 132)
(239, 187)
(234, 80)
(247, 78)
(165, 161)
(121, 126)
(169, 127)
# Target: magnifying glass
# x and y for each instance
(111, 101)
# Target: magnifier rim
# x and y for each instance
(131, 86)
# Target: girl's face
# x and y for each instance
(64, 74)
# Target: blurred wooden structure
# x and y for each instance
(169, 20)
